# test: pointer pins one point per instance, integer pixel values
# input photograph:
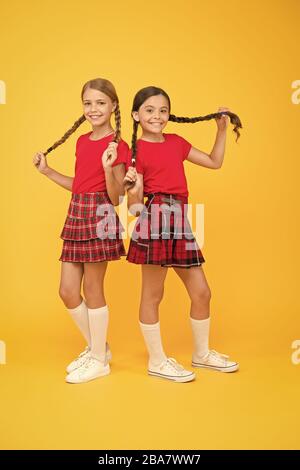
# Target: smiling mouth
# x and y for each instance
(94, 117)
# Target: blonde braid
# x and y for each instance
(66, 135)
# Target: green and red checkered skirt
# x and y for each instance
(92, 231)
(163, 235)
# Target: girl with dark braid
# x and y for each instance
(92, 230)
(162, 236)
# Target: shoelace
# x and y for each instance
(173, 363)
(83, 353)
(220, 355)
(89, 361)
(87, 350)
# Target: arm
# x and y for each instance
(62, 180)
(113, 175)
(40, 162)
(216, 157)
(134, 185)
(114, 182)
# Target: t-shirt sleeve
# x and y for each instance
(185, 146)
(122, 153)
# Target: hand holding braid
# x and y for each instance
(234, 119)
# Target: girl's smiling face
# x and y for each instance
(153, 114)
(97, 107)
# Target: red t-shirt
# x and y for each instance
(161, 164)
(89, 172)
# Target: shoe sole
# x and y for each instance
(108, 359)
(188, 378)
(220, 369)
(102, 374)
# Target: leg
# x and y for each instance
(153, 278)
(69, 291)
(93, 287)
(70, 284)
(199, 292)
(96, 362)
(93, 284)
(197, 287)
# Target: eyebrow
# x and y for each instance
(100, 99)
(150, 106)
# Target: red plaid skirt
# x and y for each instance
(163, 235)
(92, 230)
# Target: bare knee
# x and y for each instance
(153, 297)
(93, 293)
(70, 296)
(201, 295)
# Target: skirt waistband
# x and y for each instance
(95, 196)
(167, 198)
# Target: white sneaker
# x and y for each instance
(79, 361)
(171, 370)
(216, 361)
(91, 369)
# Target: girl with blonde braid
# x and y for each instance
(92, 231)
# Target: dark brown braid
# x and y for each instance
(66, 135)
(133, 142)
(234, 119)
(106, 87)
(149, 91)
(118, 124)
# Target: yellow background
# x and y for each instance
(243, 55)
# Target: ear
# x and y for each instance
(135, 116)
(114, 106)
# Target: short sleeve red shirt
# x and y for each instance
(89, 172)
(161, 164)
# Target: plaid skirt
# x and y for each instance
(163, 235)
(92, 230)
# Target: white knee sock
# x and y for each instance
(200, 329)
(98, 321)
(151, 333)
(81, 318)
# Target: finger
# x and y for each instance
(223, 109)
(127, 178)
